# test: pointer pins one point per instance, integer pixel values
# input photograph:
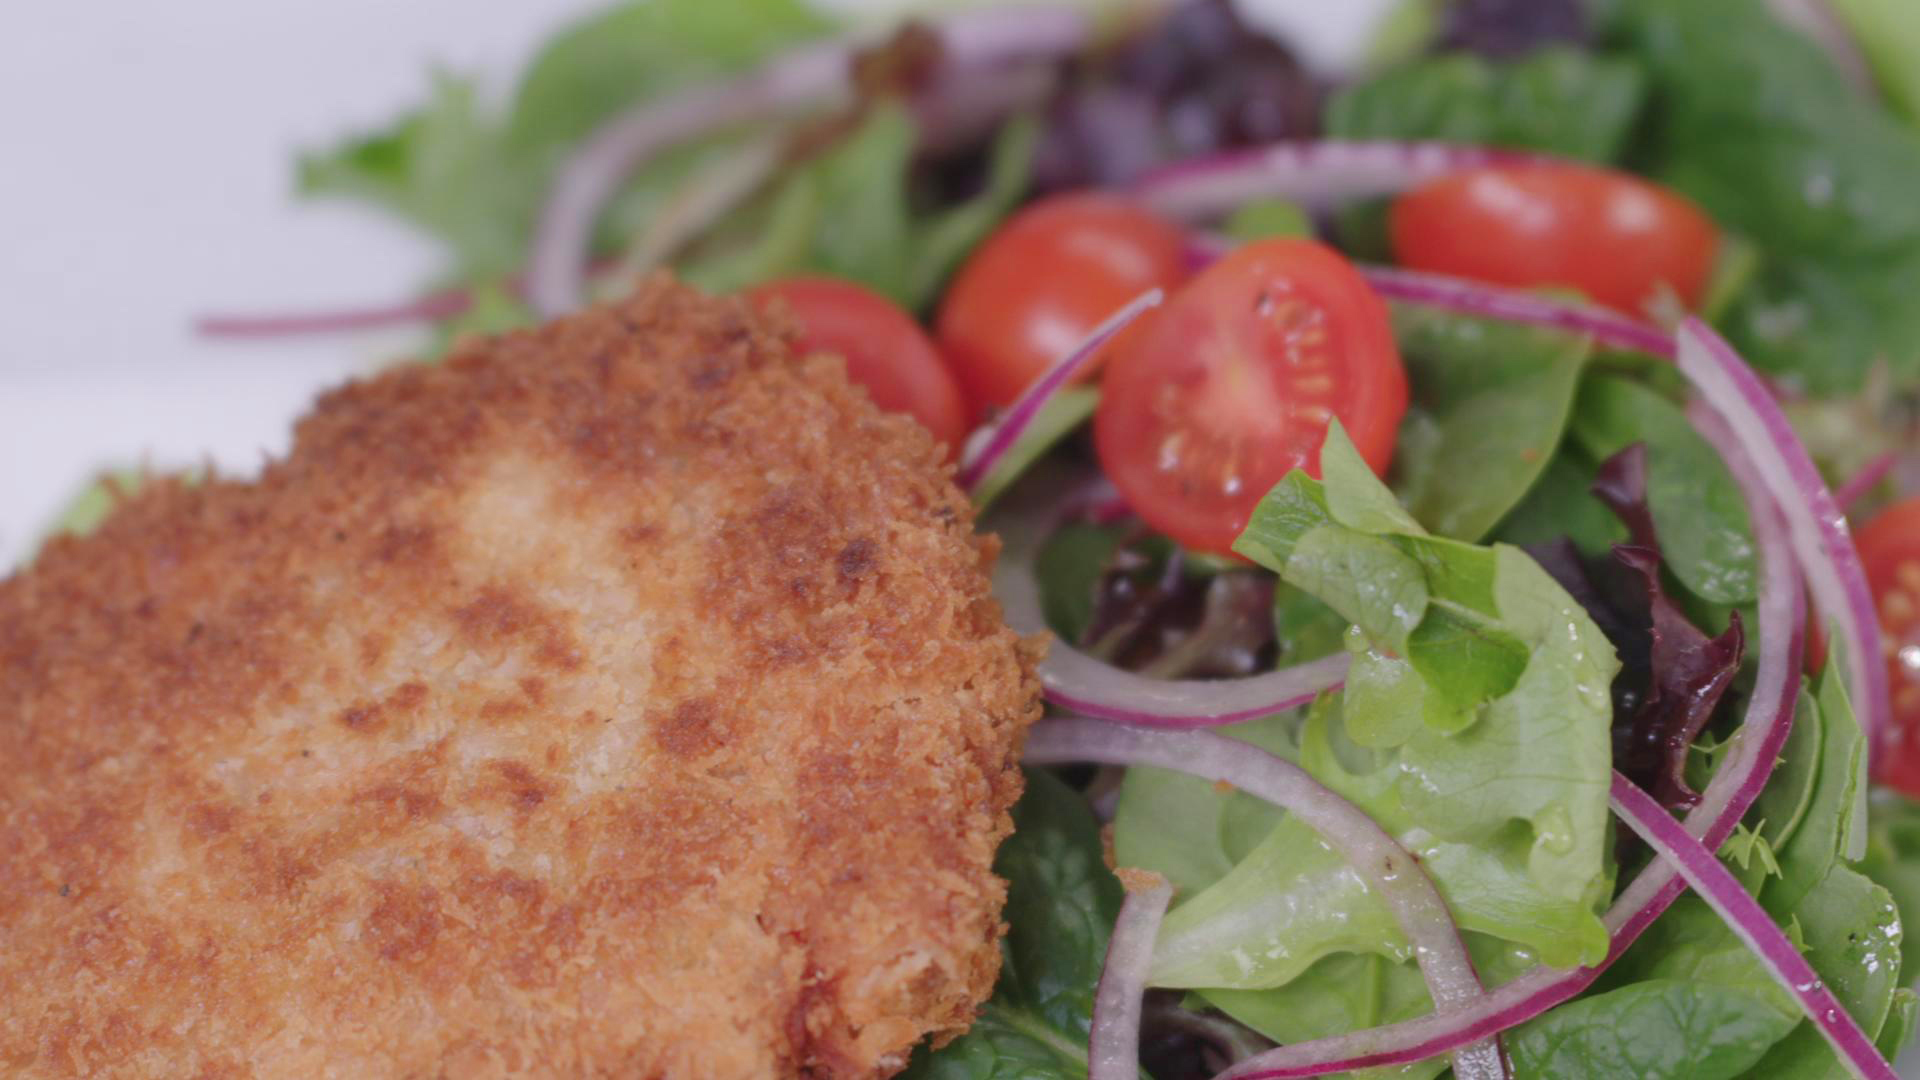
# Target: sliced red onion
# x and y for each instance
(801, 79)
(984, 454)
(1317, 174)
(1082, 684)
(1865, 480)
(1113, 1043)
(1387, 868)
(1780, 630)
(1745, 917)
(1516, 305)
(445, 304)
(1816, 524)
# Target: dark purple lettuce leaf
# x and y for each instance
(1138, 602)
(1196, 82)
(1672, 675)
(1505, 28)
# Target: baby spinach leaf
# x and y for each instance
(1061, 903)
(1558, 100)
(1753, 122)
(1789, 793)
(1706, 538)
(1853, 933)
(1822, 836)
(1688, 1000)
(1893, 856)
(1561, 504)
(1900, 1023)
(1069, 568)
(1657, 1029)
(1003, 1044)
(1489, 404)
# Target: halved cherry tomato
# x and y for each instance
(1890, 549)
(1615, 237)
(1233, 384)
(1043, 281)
(886, 351)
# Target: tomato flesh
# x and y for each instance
(1889, 548)
(1621, 240)
(1235, 382)
(885, 349)
(1043, 281)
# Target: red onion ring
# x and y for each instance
(1815, 521)
(445, 304)
(1780, 626)
(802, 78)
(1387, 868)
(1745, 917)
(1318, 174)
(1113, 1042)
(1514, 305)
(983, 455)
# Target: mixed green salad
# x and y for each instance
(1428, 478)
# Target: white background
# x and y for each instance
(146, 170)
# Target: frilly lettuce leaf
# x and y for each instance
(1474, 728)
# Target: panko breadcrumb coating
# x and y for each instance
(620, 698)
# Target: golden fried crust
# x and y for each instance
(621, 698)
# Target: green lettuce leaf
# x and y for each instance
(1491, 663)
(1558, 100)
(1061, 903)
(847, 213)
(445, 169)
(474, 179)
(1186, 828)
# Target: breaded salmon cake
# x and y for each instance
(620, 698)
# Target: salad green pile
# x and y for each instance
(1516, 597)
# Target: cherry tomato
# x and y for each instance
(886, 351)
(1232, 386)
(1617, 238)
(1040, 284)
(1890, 549)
